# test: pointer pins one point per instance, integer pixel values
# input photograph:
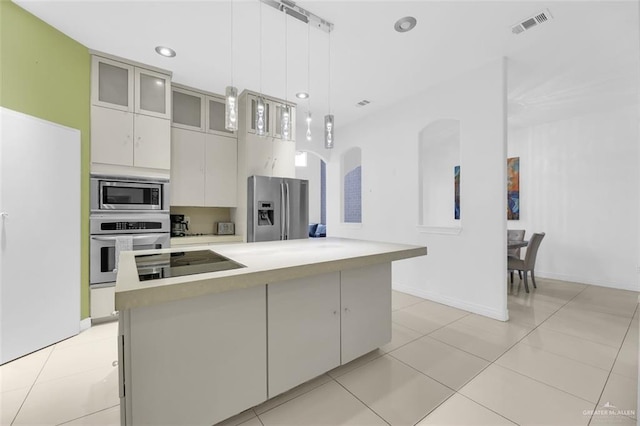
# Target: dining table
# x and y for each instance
(515, 244)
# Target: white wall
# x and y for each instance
(579, 184)
(467, 269)
(312, 174)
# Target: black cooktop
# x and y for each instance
(165, 265)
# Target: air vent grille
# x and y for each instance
(362, 103)
(532, 21)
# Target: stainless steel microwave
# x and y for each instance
(117, 193)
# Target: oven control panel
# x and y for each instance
(126, 226)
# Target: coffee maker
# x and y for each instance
(179, 226)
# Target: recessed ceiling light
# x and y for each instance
(405, 24)
(165, 51)
(302, 95)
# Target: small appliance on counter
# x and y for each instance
(225, 228)
(179, 226)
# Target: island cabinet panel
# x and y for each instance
(366, 309)
(304, 330)
(195, 361)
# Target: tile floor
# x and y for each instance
(568, 350)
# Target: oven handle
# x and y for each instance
(150, 237)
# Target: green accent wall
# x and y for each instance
(46, 74)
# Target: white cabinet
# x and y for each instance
(188, 109)
(303, 330)
(203, 172)
(320, 322)
(216, 116)
(126, 139)
(366, 309)
(272, 115)
(194, 361)
(103, 303)
(129, 115)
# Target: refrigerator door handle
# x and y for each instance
(288, 209)
(282, 211)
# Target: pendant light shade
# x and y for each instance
(261, 116)
(309, 126)
(328, 131)
(231, 109)
(285, 122)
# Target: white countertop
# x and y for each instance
(265, 262)
(204, 239)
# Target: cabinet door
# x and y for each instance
(366, 309)
(111, 84)
(187, 168)
(277, 121)
(188, 110)
(152, 146)
(221, 156)
(153, 93)
(303, 328)
(196, 361)
(111, 136)
(252, 105)
(216, 117)
(103, 302)
(284, 163)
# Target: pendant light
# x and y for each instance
(329, 125)
(308, 83)
(231, 93)
(261, 106)
(285, 112)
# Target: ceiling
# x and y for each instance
(585, 58)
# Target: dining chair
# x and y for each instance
(515, 235)
(529, 262)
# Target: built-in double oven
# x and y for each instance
(129, 213)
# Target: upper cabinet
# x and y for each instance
(271, 116)
(130, 117)
(199, 111)
(126, 87)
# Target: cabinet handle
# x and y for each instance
(335, 312)
(346, 309)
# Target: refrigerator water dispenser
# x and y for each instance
(265, 213)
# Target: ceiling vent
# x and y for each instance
(362, 103)
(531, 22)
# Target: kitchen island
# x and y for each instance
(196, 349)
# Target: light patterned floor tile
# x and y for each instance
(461, 411)
(96, 332)
(524, 400)
(329, 404)
(107, 417)
(10, 403)
(576, 378)
(246, 416)
(427, 316)
(533, 314)
(76, 358)
(622, 392)
(598, 327)
(481, 336)
(446, 364)
(398, 393)
(293, 393)
(356, 363)
(400, 336)
(401, 300)
(586, 351)
(22, 372)
(627, 361)
(70, 397)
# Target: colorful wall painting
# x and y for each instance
(513, 188)
(456, 186)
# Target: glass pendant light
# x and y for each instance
(309, 126)
(231, 94)
(285, 122)
(231, 109)
(328, 131)
(329, 125)
(261, 118)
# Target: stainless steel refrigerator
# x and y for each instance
(277, 209)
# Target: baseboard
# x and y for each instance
(85, 324)
(586, 280)
(455, 303)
